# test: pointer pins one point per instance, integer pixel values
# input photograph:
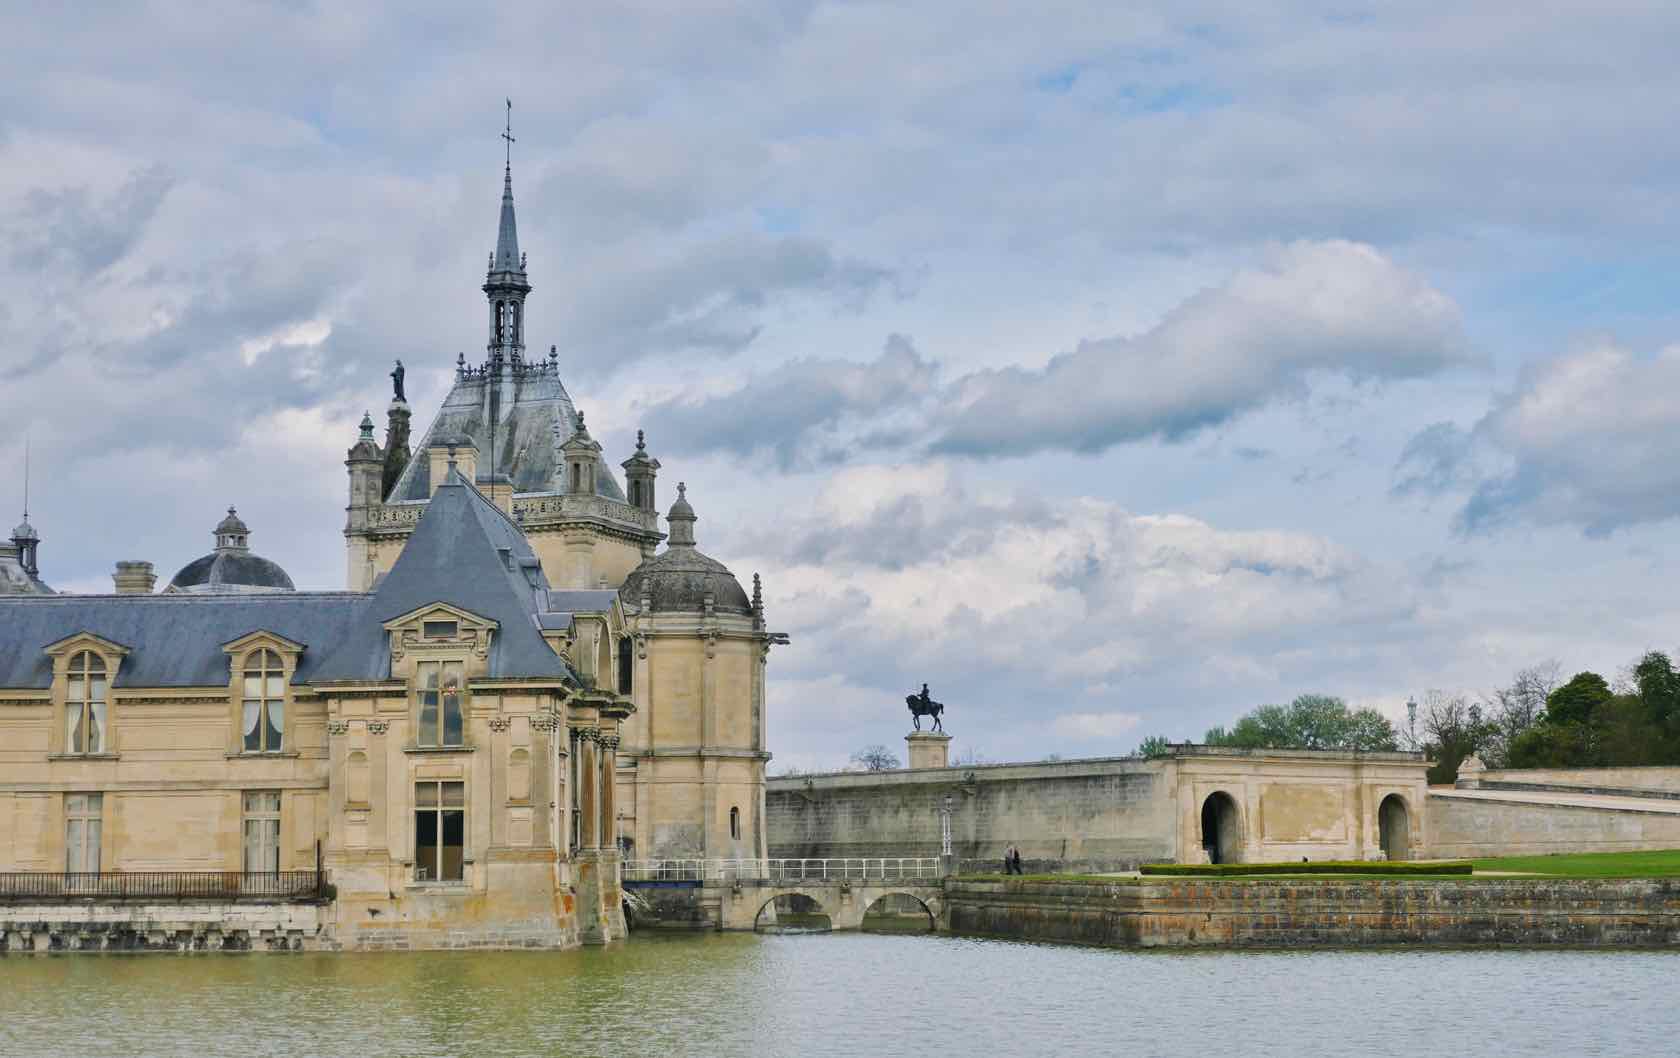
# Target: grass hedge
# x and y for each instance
(1239, 870)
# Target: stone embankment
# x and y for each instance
(1319, 913)
(162, 927)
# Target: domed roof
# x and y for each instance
(679, 578)
(231, 567)
(24, 531)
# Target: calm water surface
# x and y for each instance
(855, 995)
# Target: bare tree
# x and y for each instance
(875, 758)
(1513, 709)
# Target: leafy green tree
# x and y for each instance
(1154, 746)
(1576, 701)
(1311, 721)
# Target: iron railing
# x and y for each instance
(924, 869)
(38, 886)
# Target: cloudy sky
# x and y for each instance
(1112, 368)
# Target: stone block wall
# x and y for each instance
(1089, 815)
(1482, 823)
(1311, 913)
(163, 927)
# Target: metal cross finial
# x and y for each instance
(507, 134)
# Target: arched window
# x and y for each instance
(625, 654)
(501, 322)
(735, 823)
(265, 705)
(84, 704)
(513, 322)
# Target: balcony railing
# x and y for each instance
(921, 870)
(258, 886)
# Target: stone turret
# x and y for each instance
(640, 470)
(582, 454)
(397, 453)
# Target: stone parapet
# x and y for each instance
(1312, 913)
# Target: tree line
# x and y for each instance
(1538, 720)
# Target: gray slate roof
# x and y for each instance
(231, 570)
(581, 600)
(173, 640)
(532, 401)
(455, 556)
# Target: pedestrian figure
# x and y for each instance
(1018, 862)
(1009, 859)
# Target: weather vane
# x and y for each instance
(507, 134)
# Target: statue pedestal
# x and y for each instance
(929, 749)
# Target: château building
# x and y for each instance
(519, 687)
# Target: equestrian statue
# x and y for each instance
(921, 705)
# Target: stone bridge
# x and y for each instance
(737, 894)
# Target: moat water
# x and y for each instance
(852, 995)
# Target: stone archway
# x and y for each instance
(898, 913)
(793, 913)
(1221, 828)
(1394, 828)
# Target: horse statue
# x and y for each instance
(921, 705)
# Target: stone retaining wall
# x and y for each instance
(163, 927)
(1314, 913)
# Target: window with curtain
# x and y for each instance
(440, 691)
(265, 704)
(83, 821)
(440, 831)
(262, 831)
(84, 704)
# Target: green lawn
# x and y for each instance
(1664, 864)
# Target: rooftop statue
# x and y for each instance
(921, 705)
(397, 382)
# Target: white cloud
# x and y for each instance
(1094, 726)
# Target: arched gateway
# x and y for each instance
(1394, 827)
(1221, 830)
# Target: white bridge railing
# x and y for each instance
(784, 872)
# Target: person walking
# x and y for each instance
(1009, 859)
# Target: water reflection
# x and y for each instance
(840, 994)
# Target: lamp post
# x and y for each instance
(945, 834)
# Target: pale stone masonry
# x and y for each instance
(519, 688)
(1196, 804)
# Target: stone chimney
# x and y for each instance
(134, 578)
(498, 489)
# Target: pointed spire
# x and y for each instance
(758, 602)
(507, 257)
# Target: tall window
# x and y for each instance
(265, 705)
(735, 823)
(262, 831)
(84, 704)
(440, 703)
(626, 657)
(83, 815)
(440, 830)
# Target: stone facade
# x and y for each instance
(1113, 814)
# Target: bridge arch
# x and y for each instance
(793, 909)
(899, 912)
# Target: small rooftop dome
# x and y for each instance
(679, 578)
(231, 568)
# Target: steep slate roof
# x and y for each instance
(174, 640)
(455, 556)
(533, 400)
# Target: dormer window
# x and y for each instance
(84, 704)
(264, 717)
(440, 629)
(440, 689)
